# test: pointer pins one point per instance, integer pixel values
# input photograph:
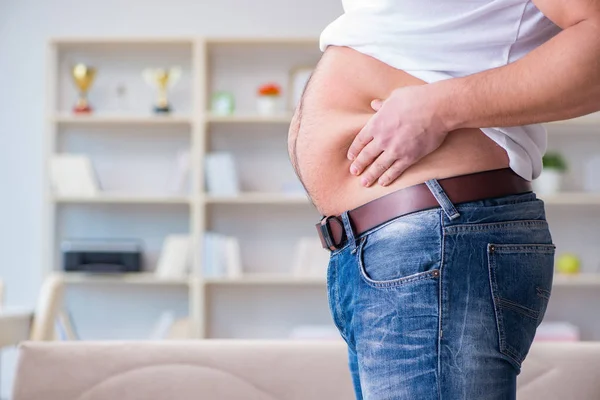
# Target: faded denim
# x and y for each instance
(443, 303)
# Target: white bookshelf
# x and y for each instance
(122, 199)
(258, 198)
(257, 142)
(76, 278)
(121, 119)
(283, 118)
(209, 64)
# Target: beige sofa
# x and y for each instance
(252, 370)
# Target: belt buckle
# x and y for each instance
(326, 232)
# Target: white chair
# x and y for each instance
(17, 325)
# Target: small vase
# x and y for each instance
(548, 183)
(267, 105)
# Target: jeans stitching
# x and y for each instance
(336, 308)
(494, 226)
(494, 290)
(440, 306)
(505, 348)
(338, 251)
(526, 311)
(512, 356)
(530, 198)
(543, 293)
(525, 248)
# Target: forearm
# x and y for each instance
(559, 80)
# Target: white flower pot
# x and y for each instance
(548, 183)
(268, 105)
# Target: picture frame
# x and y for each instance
(299, 77)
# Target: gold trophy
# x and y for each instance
(83, 76)
(162, 79)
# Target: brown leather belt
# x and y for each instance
(459, 189)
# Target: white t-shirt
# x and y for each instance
(440, 39)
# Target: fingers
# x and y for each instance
(376, 104)
(363, 138)
(393, 172)
(366, 156)
(378, 168)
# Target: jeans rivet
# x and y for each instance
(492, 248)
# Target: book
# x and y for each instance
(175, 257)
(221, 175)
(73, 175)
(180, 175)
(233, 261)
(163, 326)
(221, 256)
(310, 259)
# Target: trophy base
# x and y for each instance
(82, 109)
(162, 110)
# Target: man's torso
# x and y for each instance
(336, 106)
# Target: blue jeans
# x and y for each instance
(443, 303)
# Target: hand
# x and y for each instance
(404, 129)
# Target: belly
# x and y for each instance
(336, 106)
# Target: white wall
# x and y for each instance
(25, 27)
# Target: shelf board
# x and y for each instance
(577, 280)
(267, 280)
(122, 199)
(572, 198)
(121, 119)
(283, 118)
(259, 198)
(142, 278)
(77, 41)
(264, 41)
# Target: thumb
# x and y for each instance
(376, 104)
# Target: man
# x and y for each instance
(415, 139)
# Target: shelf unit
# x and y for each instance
(203, 59)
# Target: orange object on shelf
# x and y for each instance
(269, 89)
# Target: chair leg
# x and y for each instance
(48, 307)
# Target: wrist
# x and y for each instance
(447, 103)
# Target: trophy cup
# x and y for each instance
(162, 79)
(83, 76)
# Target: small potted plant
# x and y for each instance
(549, 181)
(269, 99)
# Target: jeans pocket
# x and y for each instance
(521, 283)
(394, 262)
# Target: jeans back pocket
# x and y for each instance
(521, 283)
